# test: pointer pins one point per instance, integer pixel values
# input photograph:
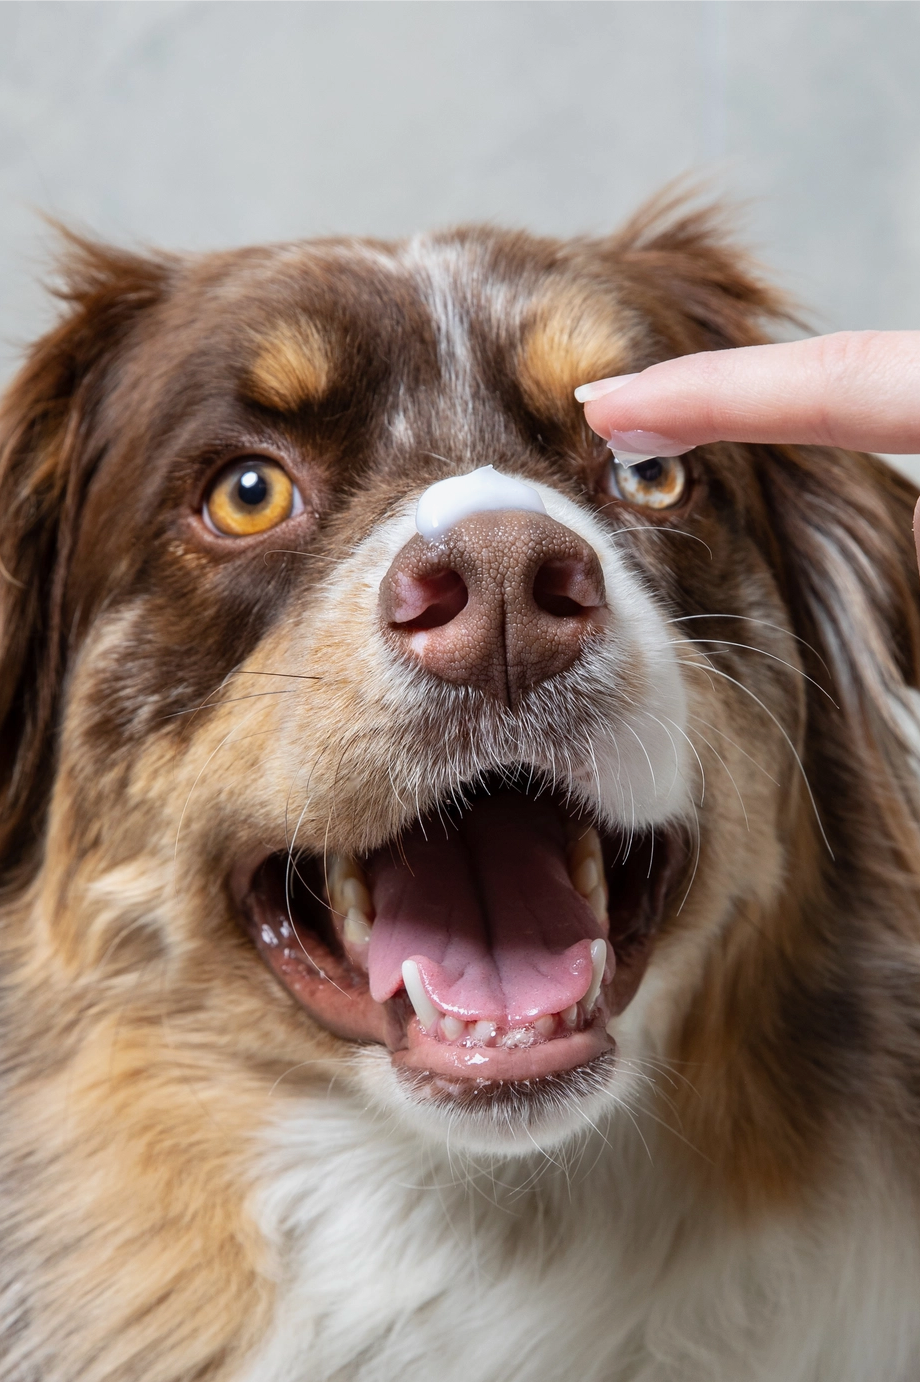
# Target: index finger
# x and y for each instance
(859, 389)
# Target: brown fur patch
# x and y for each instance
(293, 367)
(571, 341)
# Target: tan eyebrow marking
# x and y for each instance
(293, 367)
(570, 342)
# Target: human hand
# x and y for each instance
(857, 389)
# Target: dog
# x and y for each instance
(461, 895)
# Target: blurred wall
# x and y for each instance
(195, 125)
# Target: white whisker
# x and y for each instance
(795, 753)
(726, 643)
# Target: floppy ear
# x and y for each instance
(847, 520)
(46, 458)
(840, 527)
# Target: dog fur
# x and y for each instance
(201, 1181)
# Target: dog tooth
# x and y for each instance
(453, 1028)
(597, 901)
(570, 1015)
(354, 894)
(341, 869)
(546, 1025)
(586, 876)
(483, 1031)
(599, 963)
(356, 931)
(425, 1010)
(342, 866)
(585, 845)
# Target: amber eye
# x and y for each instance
(251, 496)
(658, 483)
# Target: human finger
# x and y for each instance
(857, 389)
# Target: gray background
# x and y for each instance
(194, 125)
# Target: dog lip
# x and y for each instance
(338, 998)
(319, 978)
(426, 1055)
(297, 941)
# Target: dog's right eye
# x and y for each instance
(250, 496)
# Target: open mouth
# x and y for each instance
(491, 942)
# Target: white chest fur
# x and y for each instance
(400, 1262)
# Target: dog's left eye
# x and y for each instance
(250, 496)
(658, 483)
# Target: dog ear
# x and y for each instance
(845, 522)
(682, 269)
(46, 460)
(840, 531)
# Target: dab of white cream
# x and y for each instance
(445, 504)
(631, 457)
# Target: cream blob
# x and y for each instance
(631, 457)
(448, 502)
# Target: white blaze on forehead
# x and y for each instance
(447, 503)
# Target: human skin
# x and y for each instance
(856, 389)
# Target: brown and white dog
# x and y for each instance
(470, 931)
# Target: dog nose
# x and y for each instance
(502, 601)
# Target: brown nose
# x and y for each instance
(501, 602)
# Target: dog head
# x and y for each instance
(480, 789)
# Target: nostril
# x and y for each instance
(427, 602)
(563, 587)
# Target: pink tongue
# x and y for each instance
(487, 911)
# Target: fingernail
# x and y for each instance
(586, 393)
(641, 446)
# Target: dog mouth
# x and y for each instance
(491, 942)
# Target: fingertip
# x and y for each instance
(599, 388)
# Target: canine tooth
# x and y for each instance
(452, 1028)
(570, 1015)
(345, 879)
(599, 963)
(546, 1025)
(425, 1010)
(597, 901)
(354, 894)
(585, 845)
(483, 1031)
(587, 876)
(342, 866)
(356, 930)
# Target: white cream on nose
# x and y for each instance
(446, 503)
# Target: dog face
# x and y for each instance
(474, 819)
